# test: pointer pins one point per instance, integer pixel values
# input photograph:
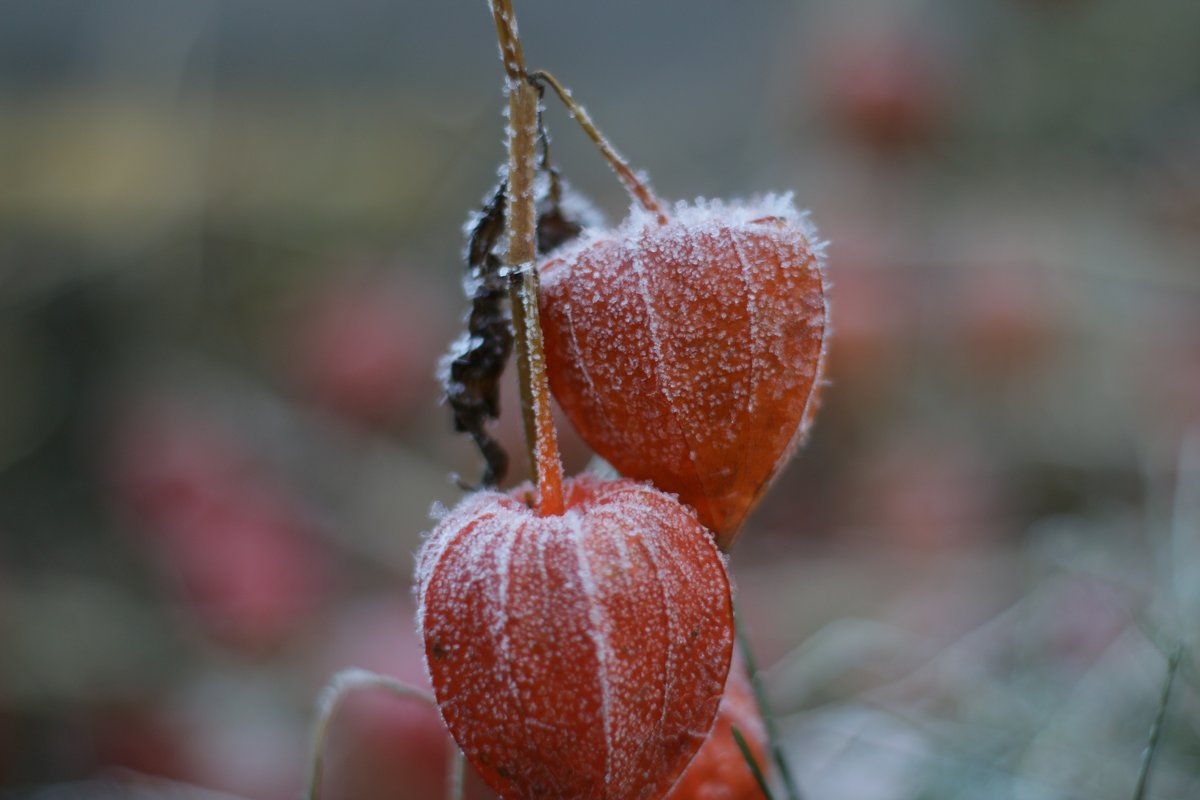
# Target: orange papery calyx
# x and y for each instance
(690, 352)
(580, 654)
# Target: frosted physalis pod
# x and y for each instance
(580, 654)
(688, 349)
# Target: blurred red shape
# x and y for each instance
(366, 349)
(234, 544)
(383, 747)
(888, 88)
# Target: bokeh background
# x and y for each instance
(230, 240)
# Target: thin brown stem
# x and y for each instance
(522, 250)
(510, 42)
(523, 97)
(636, 187)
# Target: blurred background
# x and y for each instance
(230, 238)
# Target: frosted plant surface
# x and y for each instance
(690, 353)
(580, 655)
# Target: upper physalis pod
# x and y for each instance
(576, 655)
(688, 349)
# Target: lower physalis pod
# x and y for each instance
(579, 655)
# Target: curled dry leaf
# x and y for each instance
(577, 655)
(470, 372)
(690, 353)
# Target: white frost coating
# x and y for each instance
(355, 678)
(654, 554)
(818, 247)
(473, 220)
(598, 630)
(683, 574)
(475, 216)
(623, 553)
(458, 349)
(752, 307)
(499, 632)
(344, 681)
(656, 343)
(577, 206)
(477, 507)
(574, 205)
(708, 215)
(669, 665)
(583, 367)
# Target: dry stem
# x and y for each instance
(540, 437)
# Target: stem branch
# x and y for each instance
(340, 685)
(636, 187)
